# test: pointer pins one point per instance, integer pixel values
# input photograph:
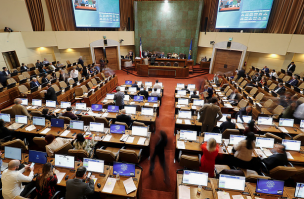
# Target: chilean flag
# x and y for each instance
(140, 48)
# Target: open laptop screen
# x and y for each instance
(93, 165)
(195, 178)
(179, 85)
(235, 139)
(57, 123)
(64, 161)
(292, 145)
(232, 182)
(116, 128)
(50, 103)
(5, 117)
(96, 107)
(24, 101)
(39, 121)
(274, 187)
(21, 119)
(124, 169)
(78, 125)
(286, 122)
(110, 96)
(184, 114)
(37, 157)
(130, 109)
(216, 136)
(81, 106)
(246, 119)
(264, 142)
(265, 120)
(65, 104)
(12, 153)
(140, 130)
(197, 102)
(96, 127)
(188, 135)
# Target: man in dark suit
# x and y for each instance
(256, 78)
(6, 72)
(135, 85)
(77, 188)
(291, 67)
(209, 90)
(3, 79)
(280, 89)
(80, 61)
(34, 83)
(38, 64)
(244, 111)
(227, 125)
(265, 69)
(241, 73)
(279, 157)
(234, 97)
(294, 81)
(46, 115)
(195, 94)
(143, 92)
(44, 79)
(162, 55)
(131, 55)
(23, 67)
(124, 118)
(50, 93)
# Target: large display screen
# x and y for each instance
(96, 13)
(243, 13)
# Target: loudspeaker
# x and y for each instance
(105, 42)
(129, 24)
(205, 25)
(228, 44)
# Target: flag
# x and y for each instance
(140, 48)
(190, 50)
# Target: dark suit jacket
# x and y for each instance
(48, 117)
(210, 93)
(33, 84)
(80, 61)
(242, 112)
(2, 79)
(266, 70)
(194, 96)
(292, 69)
(281, 91)
(70, 115)
(144, 93)
(23, 68)
(256, 78)
(38, 65)
(77, 189)
(84, 71)
(227, 125)
(44, 80)
(293, 82)
(124, 118)
(4, 73)
(275, 160)
(51, 94)
(241, 73)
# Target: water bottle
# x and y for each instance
(117, 177)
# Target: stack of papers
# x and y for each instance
(193, 107)
(289, 156)
(65, 133)
(283, 130)
(105, 101)
(240, 126)
(109, 186)
(45, 131)
(147, 104)
(130, 139)
(141, 141)
(60, 176)
(260, 153)
(132, 102)
(129, 185)
(179, 121)
(180, 144)
(29, 107)
(184, 192)
(30, 128)
(237, 197)
(107, 138)
(154, 105)
(267, 152)
(218, 124)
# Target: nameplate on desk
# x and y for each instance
(184, 192)
(179, 121)
(289, 156)
(193, 107)
(109, 186)
(45, 131)
(130, 139)
(187, 121)
(154, 105)
(283, 129)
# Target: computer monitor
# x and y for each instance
(124, 169)
(116, 128)
(128, 82)
(24, 101)
(65, 104)
(140, 130)
(126, 97)
(152, 99)
(235, 139)
(5, 117)
(223, 119)
(182, 92)
(37, 157)
(183, 101)
(265, 120)
(57, 123)
(96, 107)
(38, 121)
(195, 178)
(75, 124)
(139, 83)
(50, 104)
(122, 88)
(299, 192)
(147, 111)
(292, 145)
(149, 84)
(302, 124)
(246, 119)
(198, 102)
(180, 85)
(138, 98)
(191, 86)
(64, 161)
(96, 127)
(185, 114)
(187, 135)
(264, 142)
(21, 119)
(81, 106)
(274, 187)
(12, 153)
(93, 165)
(132, 89)
(232, 182)
(286, 122)
(110, 96)
(113, 109)
(36, 102)
(216, 136)
(130, 109)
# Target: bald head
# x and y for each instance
(13, 164)
(17, 101)
(123, 111)
(248, 109)
(228, 118)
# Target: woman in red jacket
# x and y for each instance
(210, 151)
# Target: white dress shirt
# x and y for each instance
(274, 74)
(74, 74)
(12, 182)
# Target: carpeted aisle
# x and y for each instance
(153, 186)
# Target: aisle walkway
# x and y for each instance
(153, 186)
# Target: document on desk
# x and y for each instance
(240, 126)
(109, 186)
(187, 121)
(177, 95)
(4, 166)
(45, 131)
(141, 141)
(105, 101)
(267, 152)
(193, 107)
(105, 114)
(178, 106)
(129, 185)
(184, 192)
(228, 106)
(57, 110)
(107, 138)
(60, 176)
(180, 144)
(29, 107)
(218, 124)
(223, 195)
(132, 102)
(130, 139)
(237, 197)
(147, 104)
(289, 156)
(30, 128)
(65, 133)
(94, 114)
(260, 153)
(154, 105)
(179, 121)
(283, 130)
(213, 85)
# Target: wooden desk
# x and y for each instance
(162, 71)
(204, 65)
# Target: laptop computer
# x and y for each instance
(93, 165)
(273, 187)
(292, 145)
(130, 109)
(235, 139)
(147, 111)
(265, 120)
(5, 117)
(57, 123)
(152, 99)
(37, 157)
(116, 128)
(124, 169)
(12, 153)
(179, 85)
(246, 119)
(184, 114)
(64, 161)
(198, 102)
(195, 178)
(50, 104)
(286, 122)
(223, 119)
(140, 131)
(110, 96)
(77, 125)
(96, 127)
(113, 109)
(96, 107)
(264, 142)
(183, 101)
(187, 135)
(24, 101)
(37, 102)
(128, 82)
(65, 104)
(138, 98)
(216, 136)
(38, 121)
(232, 182)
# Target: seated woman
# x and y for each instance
(46, 182)
(54, 143)
(243, 151)
(46, 115)
(80, 143)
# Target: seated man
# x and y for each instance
(135, 85)
(69, 114)
(280, 89)
(23, 67)
(265, 69)
(227, 125)
(154, 93)
(12, 179)
(34, 83)
(294, 81)
(124, 118)
(44, 79)
(209, 91)
(244, 111)
(186, 89)
(19, 109)
(38, 64)
(143, 92)
(42, 69)
(58, 64)
(51, 67)
(195, 94)
(256, 78)
(46, 115)
(279, 157)
(6, 134)
(273, 74)
(6, 72)
(234, 97)
(77, 188)
(45, 61)
(156, 85)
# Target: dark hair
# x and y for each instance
(283, 148)
(186, 86)
(80, 172)
(155, 89)
(228, 119)
(49, 138)
(1, 123)
(45, 171)
(156, 81)
(214, 100)
(273, 70)
(80, 137)
(250, 138)
(69, 108)
(251, 125)
(45, 111)
(4, 68)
